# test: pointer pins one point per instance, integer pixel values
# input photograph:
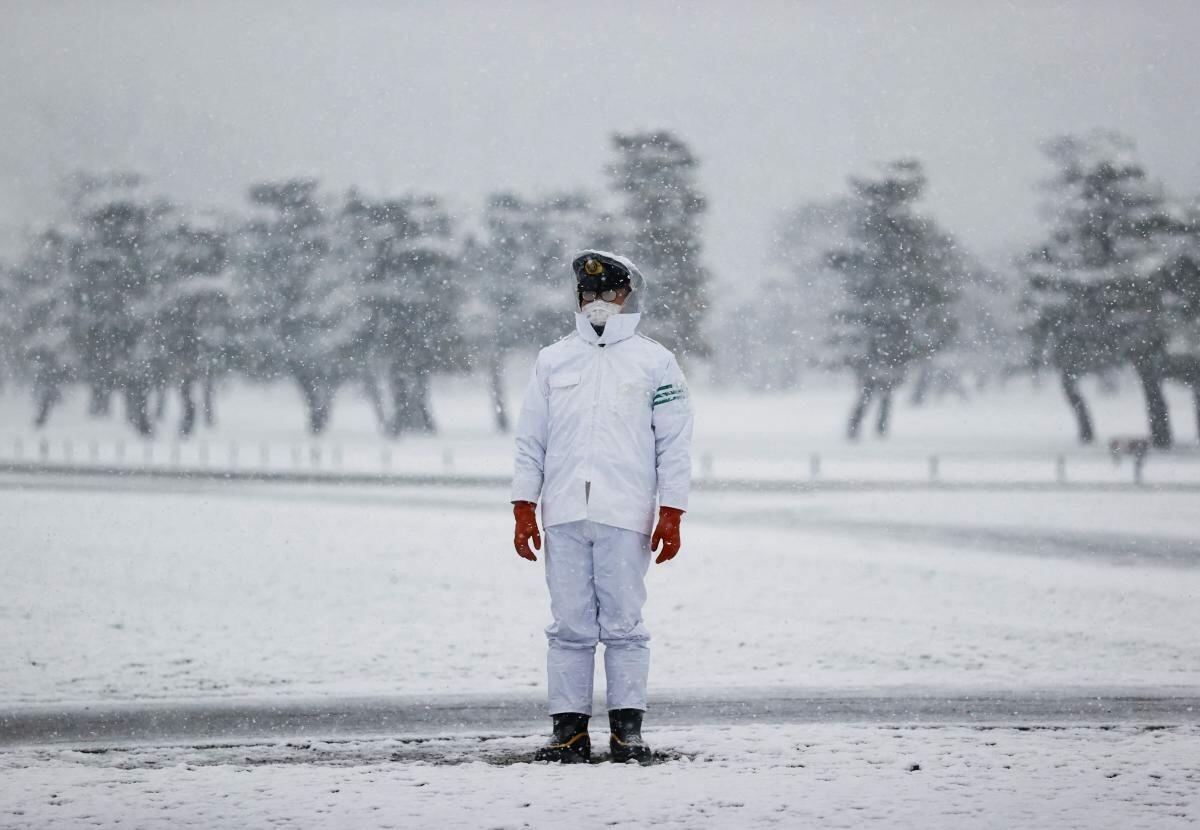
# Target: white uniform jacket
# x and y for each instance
(605, 427)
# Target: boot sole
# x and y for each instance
(623, 755)
(577, 752)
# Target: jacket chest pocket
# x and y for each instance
(564, 386)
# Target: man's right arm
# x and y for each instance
(532, 430)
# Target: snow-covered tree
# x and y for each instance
(899, 277)
(8, 327)
(519, 277)
(112, 262)
(1180, 282)
(654, 173)
(190, 313)
(298, 316)
(39, 312)
(1097, 287)
(987, 344)
(780, 329)
(410, 297)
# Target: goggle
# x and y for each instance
(591, 296)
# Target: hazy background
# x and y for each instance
(779, 100)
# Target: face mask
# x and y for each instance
(598, 312)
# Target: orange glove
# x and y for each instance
(525, 512)
(667, 532)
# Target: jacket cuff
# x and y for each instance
(676, 499)
(526, 490)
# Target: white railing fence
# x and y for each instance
(431, 458)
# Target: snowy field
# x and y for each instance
(121, 591)
(1017, 434)
(756, 776)
(183, 591)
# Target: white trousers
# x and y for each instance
(597, 579)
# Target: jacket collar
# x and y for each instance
(619, 327)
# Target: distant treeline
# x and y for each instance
(132, 297)
(889, 295)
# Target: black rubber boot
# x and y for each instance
(570, 743)
(626, 742)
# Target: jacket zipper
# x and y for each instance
(591, 442)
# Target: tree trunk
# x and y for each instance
(319, 416)
(210, 401)
(375, 397)
(496, 390)
(48, 394)
(866, 390)
(1156, 406)
(401, 420)
(318, 400)
(921, 387)
(188, 422)
(160, 402)
(882, 422)
(137, 405)
(410, 407)
(423, 409)
(1083, 418)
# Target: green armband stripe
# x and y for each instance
(667, 398)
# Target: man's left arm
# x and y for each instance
(671, 420)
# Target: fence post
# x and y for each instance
(18, 449)
(385, 458)
(336, 456)
(814, 466)
(121, 450)
(68, 450)
(94, 451)
(295, 455)
(264, 454)
(933, 468)
(233, 455)
(706, 465)
(148, 453)
(314, 456)
(176, 453)
(448, 459)
(44, 450)
(1060, 469)
(202, 453)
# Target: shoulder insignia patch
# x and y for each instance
(667, 393)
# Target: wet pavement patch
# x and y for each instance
(495, 750)
(504, 759)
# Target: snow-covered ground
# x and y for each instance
(217, 590)
(1017, 433)
(163, 591)
(820, 775)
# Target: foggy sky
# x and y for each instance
(780, 100)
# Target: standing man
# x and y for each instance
(606, 427)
